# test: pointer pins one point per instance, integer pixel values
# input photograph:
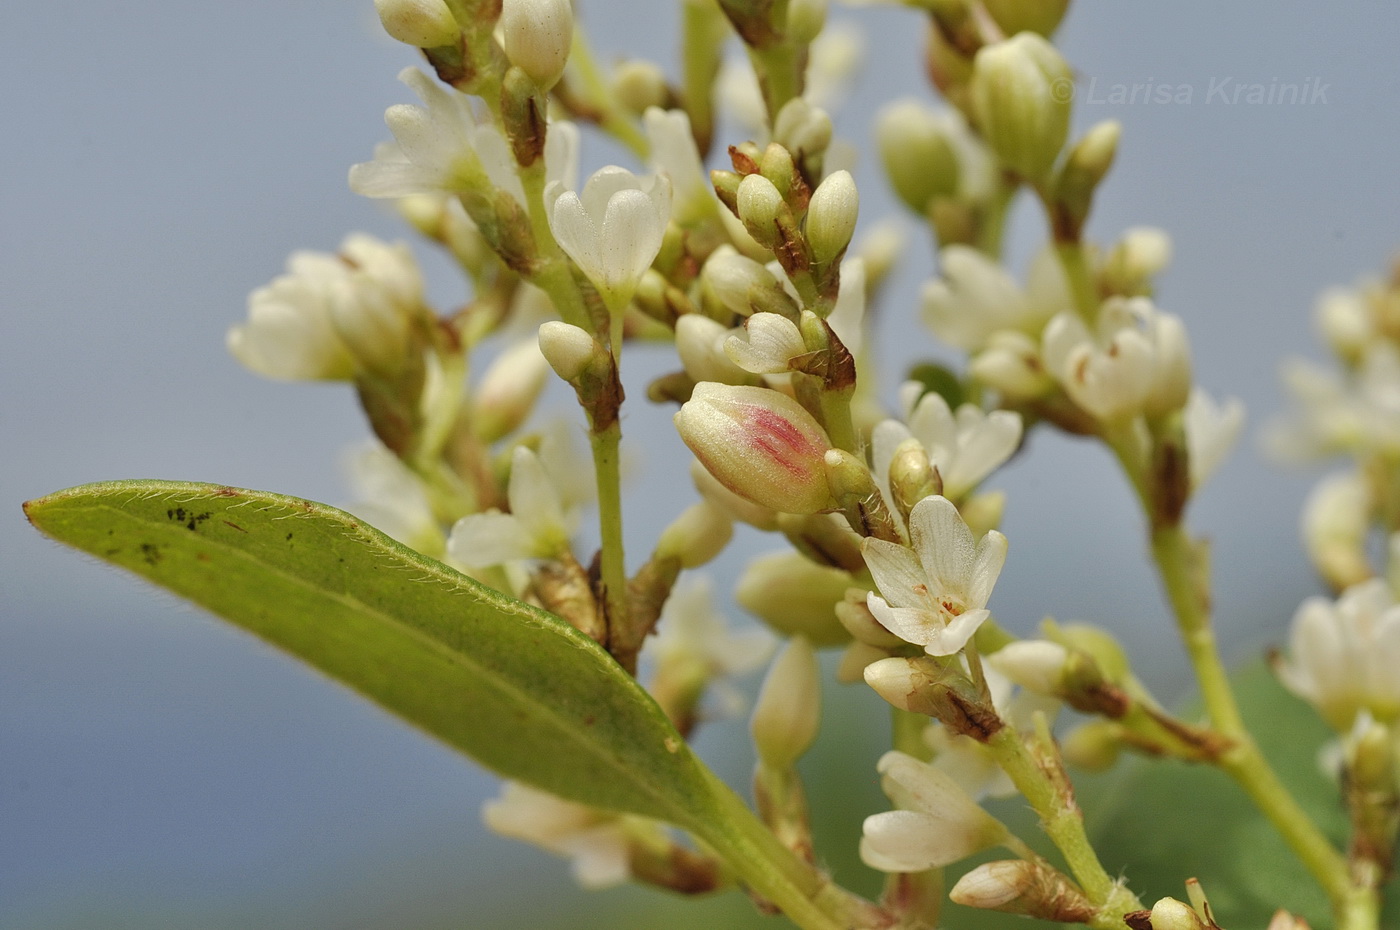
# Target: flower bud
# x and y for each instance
(1094, 746)
(1171, 914)
(917, 153)
(537, 35)
(1084, 168)
(923, 685)
(700, 345)
(569, 350)
(1011, 365)
(740, 508)
(743, 286)
(1021, 92)
(983, 512)
(420, 23)
(640, 84)
(758, 205)
(788, 711)
(805, 19)
(1170, 386)
(831, 217)
(508, 391)
(1135, 260)
(795, 596)
(1015, 16)
(855, 616)
(698, 535)
(1099, 644)
(1017, 886)
(802, 129)
(760, 444)
(1037, 665)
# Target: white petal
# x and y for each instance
(897, 573)
(490, 538)
(945, 547)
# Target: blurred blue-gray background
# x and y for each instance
(160, 159)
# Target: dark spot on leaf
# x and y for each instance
(151, 554)
(289, 537)
(234, 525)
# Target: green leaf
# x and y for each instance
(517, 689)
(1163, 822)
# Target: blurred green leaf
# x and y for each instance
(1163, 822)
(517, 689)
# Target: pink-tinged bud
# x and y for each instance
(758, 443)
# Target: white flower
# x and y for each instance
(701, 344)
(847, 318)
(508, 390)
(614, 229)
(1357, 412)
(976, 298)
(935, 593)
(1211, 430)
(441, 148)
(1137, 361)
(289, 334)
(538, 525)
(332, 315)
(768, 344)
(674, 154)
(596, 841)
(392, 498)
(936, 824)
(1343, 656)
(1336, 521)
(965, 447)
(694, 641)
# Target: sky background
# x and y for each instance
(161, 159)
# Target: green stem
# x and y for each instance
(993, 227)
(779, 75)
(606, 445)
(1176, 558)
(805, 896)
(1075, 263)
(1061, 819)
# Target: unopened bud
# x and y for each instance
(420, 23)
(912, 477)
(802, 129)
(805, 19)
(700, 345)
(537, 36)
(1094, 746)
(859, 498)
(1106, 651)
(917, 153)
(1171, 914)
(1015, 16)
(983, 512)
(570, 351)
(795, 597)
(758, 204)
(1085, 166)
(923, 685)
(788, 711)
(1037, 665)
(640, 84)
(856, 617)
(1021, 92)
(831, 217)
(1171, 366)
(1012, 366)
(508, 391)
(1017, 886)
(777, 165)
(760, 444)
(1135, 260)
(743, 286)
(740, 508)
(698, 535)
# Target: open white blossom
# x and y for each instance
(965, 446)
(538, 525)
(332, 315)
(768, 344)
(595, 841)
(1343, 655)
(694, 640)
(437, 148)
(936, 824)
(393, 499)
(1136, 361)
(976, 298)
(613, 229)
(935, 591)
(1355, 412)
(1211, 432)
(674, 154)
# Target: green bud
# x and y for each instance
(1013, 16)
(787, 714)
(1021, 93)
(640, 84)
(831, 217)
(759, 204)
(1084, 168)
(917, 153)
(420, 23)
(795, 596)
